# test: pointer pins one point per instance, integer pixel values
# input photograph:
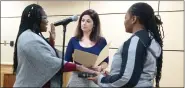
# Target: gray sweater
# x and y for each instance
(37, 62)
(134, 64)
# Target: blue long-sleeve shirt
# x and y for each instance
(74, 44)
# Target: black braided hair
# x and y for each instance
(30, 19)
(152, 24)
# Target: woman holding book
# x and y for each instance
(88, 39)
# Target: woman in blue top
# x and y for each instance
(88, 39)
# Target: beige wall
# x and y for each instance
(112, 28)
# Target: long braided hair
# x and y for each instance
(30, 19)
(152, 24)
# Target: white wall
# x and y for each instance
(112, 28)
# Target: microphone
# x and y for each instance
(66, 21)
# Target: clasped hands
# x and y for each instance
(98, 70)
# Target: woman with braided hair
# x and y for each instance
(139, 60)
(36, 61)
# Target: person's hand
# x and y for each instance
(97, 68)
(105, 72)
(52, 32)
(84, 69)
(94, 79)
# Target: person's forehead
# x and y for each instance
(128, 14)
(86, 17)
(43, 12)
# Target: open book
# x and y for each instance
(88, 59)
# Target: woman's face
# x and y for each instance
(44, 22)
(128, 23)
(86, 23)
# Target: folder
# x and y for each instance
(88, 59)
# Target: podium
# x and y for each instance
(9, 80)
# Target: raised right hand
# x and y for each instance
(52, 32)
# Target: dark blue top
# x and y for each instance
(74, 44)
